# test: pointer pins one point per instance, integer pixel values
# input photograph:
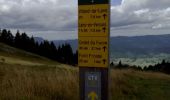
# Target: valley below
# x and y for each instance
(142, 61)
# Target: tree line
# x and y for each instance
(63, 53)
(163, 67)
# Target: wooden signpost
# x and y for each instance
(93, 49)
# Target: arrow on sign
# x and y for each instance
(104, 16)
(104, 48)
(104, 61)
(104, 29)
(93, 96)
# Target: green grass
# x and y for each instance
(16, 56)
(152, 88)
(134, 85)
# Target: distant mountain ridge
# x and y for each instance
(122, 46)
(140, 45)
(38, 39)
(73, 43)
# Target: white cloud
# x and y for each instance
(158, 26)
(131, 17)
(139, 17)
(4, 8)
(39, 14)
(142, 11)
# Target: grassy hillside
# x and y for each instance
(134, 85)
(44, 79)
(26, 76)
(12, 55)
(19, 82)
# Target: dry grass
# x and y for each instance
(23, 83)
(12, 60)
(19, 82)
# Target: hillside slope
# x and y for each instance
(44, 79)
(138, 85)
(13, 55)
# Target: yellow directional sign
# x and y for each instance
(93, 20)
(93, 48)
(93, 96)
(93, 52)
(93, 33)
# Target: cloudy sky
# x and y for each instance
(57, 19)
